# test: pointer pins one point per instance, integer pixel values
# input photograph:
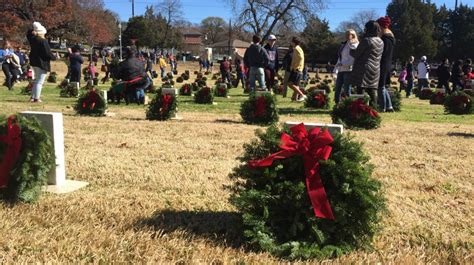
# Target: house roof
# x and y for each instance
(233, 44)
(192, 33)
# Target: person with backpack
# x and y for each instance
(256, 59)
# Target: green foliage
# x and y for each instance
(36, 159)
(437, 98)
(91, 103)
(425, 94)
(248, 110)
(319, 42)
(185, 90)
(204, 96)
(221, 90)
(277, 212)
(69, 91)
(396, 99)
(342, 114)
(317, 100)
(157, 112)
(459, 103)
(53, 77)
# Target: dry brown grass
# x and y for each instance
(157, 193)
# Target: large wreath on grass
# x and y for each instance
(437, 98)
(26, 157)
(91, 103)
(355, 114)
(69, 91)
(459, 103)
(162, 107)
(27, 90)
(396, 99)
(259, 109)
(221, 90)
(305, 195)
(425, 94)
(317, 100)
(185, 90)
(53, 77)
(204, 96)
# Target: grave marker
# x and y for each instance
(333, 128)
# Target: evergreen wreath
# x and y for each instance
(179, 79)
(278, 214)
(437, 98)
(162, 107)
(355, 114)
(396, 99)
(185, 90)
(36, 158)
(27, 89)
(221, 90)
(195, 86)
(69, 91)
(259, 109)
(317, 100)
(425, 94)
(459, 103)
(53, 77)
(91, 103)
(204, 96)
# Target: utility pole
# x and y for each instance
(230, 37)
(456, 5)
(133, 8)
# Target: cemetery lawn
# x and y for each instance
(158, 190)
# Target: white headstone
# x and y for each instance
(442, 90)
(320, 91)
(333, 128)
(262, 92)
(169, 91)
(104, 95)
(76, 84)
(362, 96)
(52, 122)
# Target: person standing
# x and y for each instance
(457, 75)
(385, 102)
(467, 67)
(225, 69)
(256, 59)
(366, 70)
(272, 66)
(444, 74)
(344, 65)
(163, 65)
(296, 70)
(239, 66)
(423, 73)
(6, 55)
(75, 62)
(410, 76)
(40, 58)
(286, 65)
(402, 78)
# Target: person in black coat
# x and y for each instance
(40, 57)
(133, 71)
(384, 101)
(457, 75)
(444, 75)
(75, 62)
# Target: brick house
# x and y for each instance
(237, 48)
(192, 43)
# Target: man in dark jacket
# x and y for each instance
(444, 74)
(272, 67)
(385, 103)
(256, 59)
(133, 72)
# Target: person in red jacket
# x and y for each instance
(226, 68)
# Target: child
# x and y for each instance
(402, 78)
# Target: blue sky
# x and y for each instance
(197, 10)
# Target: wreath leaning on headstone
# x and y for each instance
(26, 157)
(396, 99)
(425, 93)
(91, 103)
(459, 103)
(185, 90)
(355, 114)
(305, 195)
(259, 109)
(221, 90)
(437, 98)
(317, 100)
(162, 107)
(204, 96)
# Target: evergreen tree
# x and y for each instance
(413, 27)
(461, 35)
(319, 42)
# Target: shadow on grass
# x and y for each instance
(458, 134)
(229, 121)
(303, 111)
(223, 228)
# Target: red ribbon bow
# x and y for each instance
(90, 100)
(313, 147)
(166, 99)
(260, 106)
(320, 99)
(358, 106)
(12, 140)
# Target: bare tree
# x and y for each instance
(263, 17)
(215, 29)
(357, 21)
(172, 11)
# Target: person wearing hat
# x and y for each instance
(423, 73)
(272, 66)
(385, 103)
(40, 57)
(344, 65)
